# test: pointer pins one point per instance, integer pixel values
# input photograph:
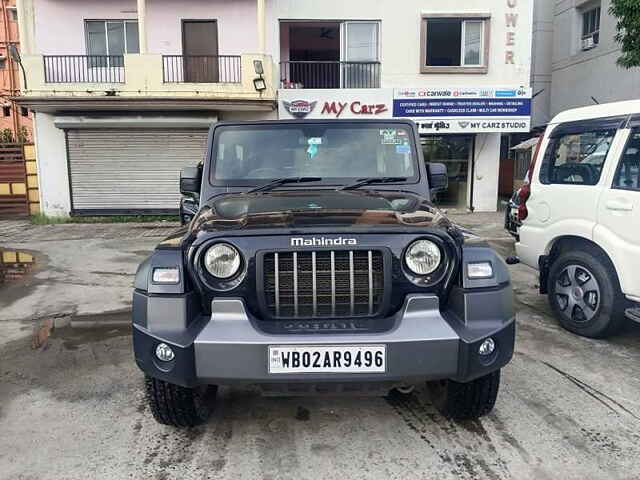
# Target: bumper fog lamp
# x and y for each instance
(487, 347)
(164, 352)
(166, 275)
(479, 270)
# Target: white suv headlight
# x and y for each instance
(423, 257)
(222, 260)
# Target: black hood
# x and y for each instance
(316, 208)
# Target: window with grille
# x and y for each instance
(590, 28)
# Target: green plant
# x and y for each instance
(628, 31)
(23, 135)
(6, 136)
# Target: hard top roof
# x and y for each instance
(603, 110)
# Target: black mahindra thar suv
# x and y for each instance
(315, 263)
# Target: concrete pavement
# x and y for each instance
(73, 408)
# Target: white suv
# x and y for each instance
(581, 217)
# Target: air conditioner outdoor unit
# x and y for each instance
(588, 43)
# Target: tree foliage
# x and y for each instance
(628, 31)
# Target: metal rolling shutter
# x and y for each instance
(130, 170)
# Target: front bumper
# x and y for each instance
(424, 343)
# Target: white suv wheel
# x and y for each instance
(577, 293)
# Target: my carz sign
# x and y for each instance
(328, 104)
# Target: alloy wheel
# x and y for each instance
(577, 293)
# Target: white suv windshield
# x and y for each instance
(338, 152)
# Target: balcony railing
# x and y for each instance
(329, 74)
(84, 69)
(201, 69)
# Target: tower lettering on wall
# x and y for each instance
(511, 20)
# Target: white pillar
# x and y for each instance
(486, 172)
(142, 25)
(260, 7)
(25, 26)
(53, 176)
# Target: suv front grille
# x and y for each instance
(323, 284)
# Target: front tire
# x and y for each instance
(585, 295)
(179, 406)
(465, 401)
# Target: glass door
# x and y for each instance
(360, 55)
(455, 152)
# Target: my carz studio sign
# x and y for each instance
(465, 109)
(328, 104)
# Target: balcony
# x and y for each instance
(329, 74)
(201, 68)
(83, 68)
(111, 69)
(147, 76)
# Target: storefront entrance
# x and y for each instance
(456, 152)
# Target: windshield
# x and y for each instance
(338, 153)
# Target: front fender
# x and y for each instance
(163, 308)
(166, 258)
(474, 253)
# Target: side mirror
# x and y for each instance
(188, 209)
(438, 178)
(190, 179)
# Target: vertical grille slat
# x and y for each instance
(277, 284)
(352, 292)
(333, 283)
(295, 284)
(323, 283)
(370, 278)
(314, 281)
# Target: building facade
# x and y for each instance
(541, 61)
(123, 91)
(575, 55)
(15, 121)
(460, 69)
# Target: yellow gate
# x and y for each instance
(19, 194)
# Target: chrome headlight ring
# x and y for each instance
(222, 261)
(423, 257)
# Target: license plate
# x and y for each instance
(327, 359)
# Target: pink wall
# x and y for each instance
(59, 24)
(236, 24)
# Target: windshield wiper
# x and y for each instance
(282, 181)
(372, 180)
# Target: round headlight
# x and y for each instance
(222, 260)
(423, 257)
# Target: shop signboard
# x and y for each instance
(335, 103)
(435, 110)
(465, 109)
